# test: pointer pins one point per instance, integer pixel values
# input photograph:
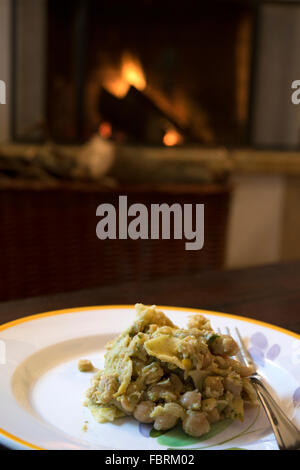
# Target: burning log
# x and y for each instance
(135, 114)
(138, 116)
(143, 113)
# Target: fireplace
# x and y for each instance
(149, 72)
(153, 73)
(142, 72)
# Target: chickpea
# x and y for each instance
(143, 411)
(244, 371)
(224, 345)
(84, 365)
(221, 362)
(177, 385)
(234, 384)
(209, 404)
(153, 373)
(213, 416)
(191, 400)
(164, 422)
(127, 405)
(214, 387)
(161, 392)
(196, 424)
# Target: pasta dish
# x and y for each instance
(166, 375)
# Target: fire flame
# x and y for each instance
(118, 81)
(172, 137)
(132, 71)
(115, 84)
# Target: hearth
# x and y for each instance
(149, 72)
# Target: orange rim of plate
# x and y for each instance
(53, 313)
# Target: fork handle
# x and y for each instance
(286, 433)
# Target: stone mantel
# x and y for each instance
(275, 162)
(193, 163)
(239, 160)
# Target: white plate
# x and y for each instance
(41, 390)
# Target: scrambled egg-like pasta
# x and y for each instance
(161, 374)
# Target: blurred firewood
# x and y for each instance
(95, 158)
(36, 161)
(51, 162)
(138, 116)
(101, 159)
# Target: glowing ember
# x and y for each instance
(132, 71)
(105, 130)
(172, 137)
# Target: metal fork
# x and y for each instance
(286, 433)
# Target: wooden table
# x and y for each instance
(268, 293)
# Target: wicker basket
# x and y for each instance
(48, 238)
